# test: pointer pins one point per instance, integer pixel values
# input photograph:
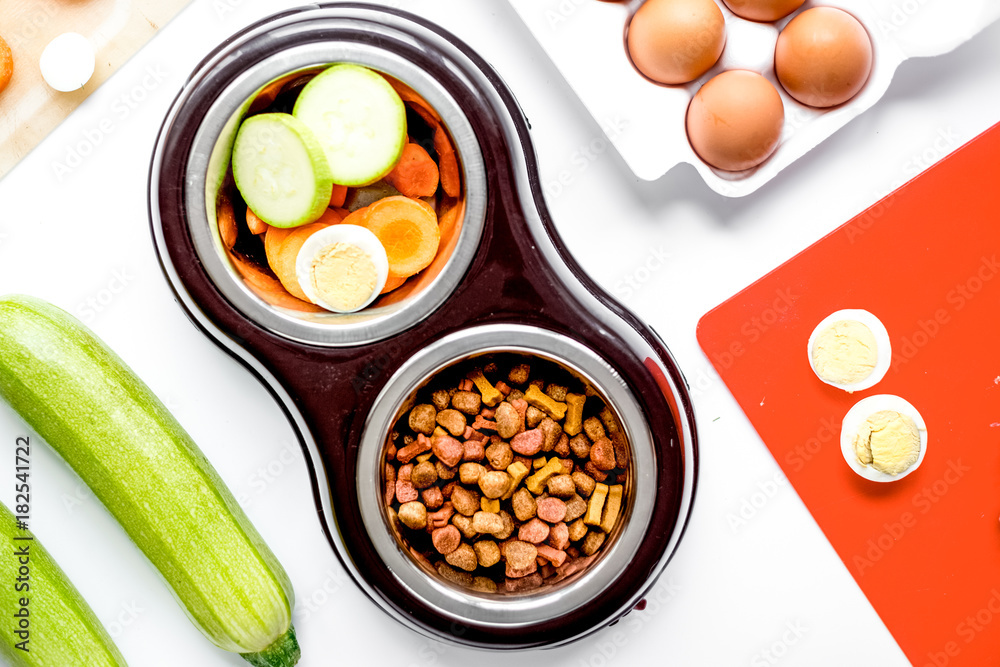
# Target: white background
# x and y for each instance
(733, 591)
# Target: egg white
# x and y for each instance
(883, 351)
(857, 415)
(354, 235)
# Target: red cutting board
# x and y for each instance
(926, 261)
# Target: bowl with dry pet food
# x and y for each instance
(345, 198)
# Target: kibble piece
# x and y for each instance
(423, 475)
(494, 483)
(596, 505)
(533, 416)
(390, 484)
(555, 556)
(464, 558)
(612, 508)
(466, 501)
(448, 450)
(574, 413)
(536, 482)
(413, 515)
(559, 536)
(422, 418)
(424, 457)
(491, 395)
(517, 471)
(577, 530)
(508, 526)
(440, 518)
(472, 450)
(551, 432)
(484, 584)
(595, 472)
(464, 525)
(469, 472)
(508, 420)
(487, 522)
(446, 539)
(524, 504)
(445, 472)
(520, 582)
(519, 374)
(602, 454)
(432, 497)
(551, 510)
(528, 443)
(535, 531)
(467, 402)
(440, 399)
(405, 491)
(537, 398)
(617, 436)
(556, 392)
(458, 577)
(452, 420)
(592, 542)
(500, 455)
(593, 428)
(561, 486)
(539, 463)
(490, 505)
(487, 552)
(579, 444)
(414, 449)
(575, 508)
(562, 446)
(520, 555)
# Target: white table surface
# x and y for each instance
(768, 590)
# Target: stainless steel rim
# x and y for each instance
(493, 610)
(208, 160)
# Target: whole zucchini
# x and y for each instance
(138, 460)
(52, 626)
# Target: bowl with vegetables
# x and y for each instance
(345, 198)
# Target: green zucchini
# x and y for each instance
(137, 459)
(52, 625)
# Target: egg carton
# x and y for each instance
(646, 122)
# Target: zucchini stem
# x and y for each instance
(284, 652)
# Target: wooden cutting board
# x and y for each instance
(29, 109)
(926, 261)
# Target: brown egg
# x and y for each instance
(734, 122)
(763, 10)
(676, 41)
(823, 57)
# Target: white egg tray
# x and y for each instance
(646, 121)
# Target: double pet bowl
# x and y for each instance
(505, 285)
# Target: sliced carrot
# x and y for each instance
(339, 196)
(416, 174)
(227, 222)
(358, 217)
(416, 102)
(451, 178)
(267, 287)
(391, 283)
(6, 64)
(256, 225)
(342, 212)
(408, 229)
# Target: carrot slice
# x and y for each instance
(391, 283)
(414, 100)
(408, 228)
(256, 225)
(339, 196)
(416, 174)
(227, 222)
(6, 64)
(268, 288)
(358, 217)
(451, 178)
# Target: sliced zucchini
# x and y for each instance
(359, 120)
(281, 170)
